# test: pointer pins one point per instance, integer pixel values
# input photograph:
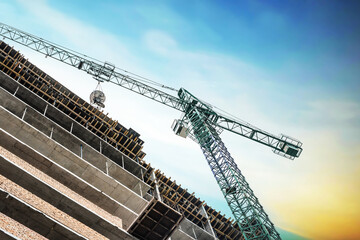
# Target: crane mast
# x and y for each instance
(249, 214)
(199, 121)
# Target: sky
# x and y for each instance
(287, 67)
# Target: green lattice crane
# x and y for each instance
(199, 121)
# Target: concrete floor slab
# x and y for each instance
(74, 144)
(7, 236)
(180, 235)
(60, 201)
(67, 159)
(56, 116)
(67, 178)
(33, 219)
(194, 230)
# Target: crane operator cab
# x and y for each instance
(180, 128)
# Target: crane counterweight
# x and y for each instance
(288, 147)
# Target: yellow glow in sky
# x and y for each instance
(325, 201)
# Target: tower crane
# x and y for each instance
(199, 121)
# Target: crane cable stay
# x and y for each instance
(199, 121)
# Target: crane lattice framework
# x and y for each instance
(199, 121)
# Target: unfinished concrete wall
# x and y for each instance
(82, 164)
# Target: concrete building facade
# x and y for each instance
(68, 171)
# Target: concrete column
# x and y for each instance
(208, 226)
(24, 113)
(81, 151)
(46, 109)
(194, 233)
(51, 133)
(16, 90)
(107, 167)
(141, 193)
(157, 192)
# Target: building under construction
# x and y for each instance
(69, 171)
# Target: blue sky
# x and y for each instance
(270, 34)
(285, 66)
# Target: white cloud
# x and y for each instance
(83, 37)
(160, 43)
(336, 111)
